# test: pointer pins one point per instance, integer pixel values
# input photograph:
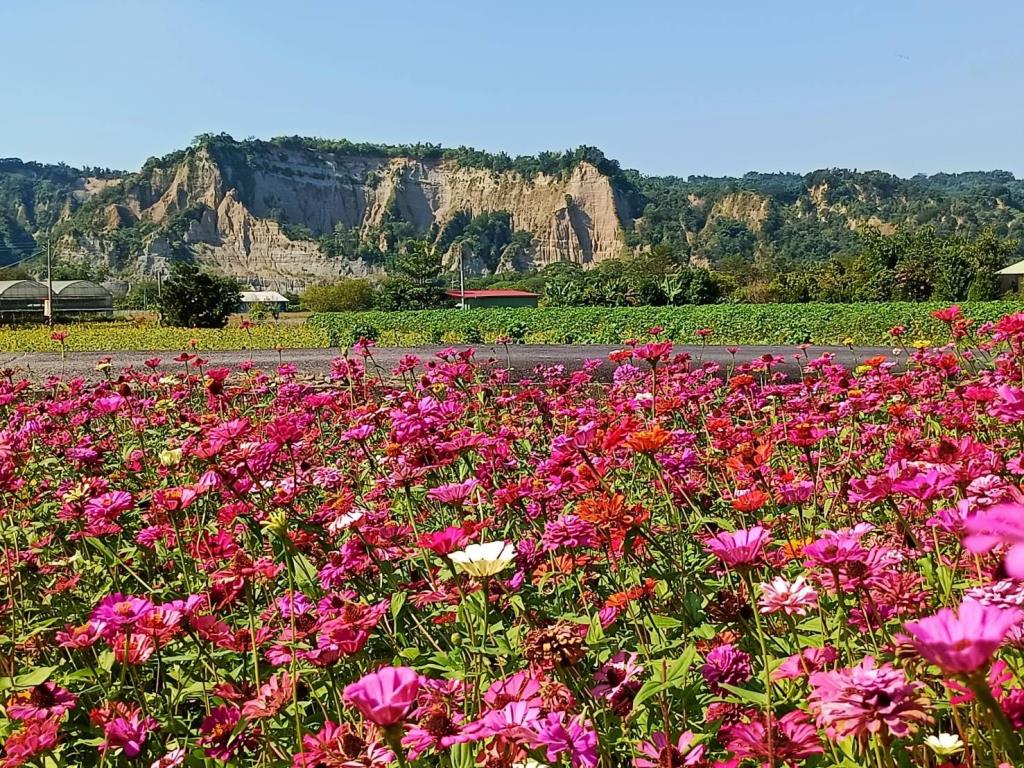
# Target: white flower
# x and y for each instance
(338, 524)
(530, 763)
(945, 744)
(484, 559)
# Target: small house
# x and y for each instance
(495, 298)
(1009, 277)
(272, 300)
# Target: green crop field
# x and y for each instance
(862, 324)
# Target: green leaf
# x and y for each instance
(754, 697)
(397, 601)
(666, 676)
(462, 755)
(35, 677)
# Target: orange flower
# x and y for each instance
(610, 512)
(624, 598)
(751, 501)
(793, 548)
(740, 380)
(649, 440)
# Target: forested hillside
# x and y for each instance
(296, 211)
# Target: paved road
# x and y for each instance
(523, 359)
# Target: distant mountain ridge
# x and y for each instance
(293, 211)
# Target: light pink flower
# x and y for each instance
(791, 597)
(867, 699)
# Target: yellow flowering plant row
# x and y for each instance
(111, 337)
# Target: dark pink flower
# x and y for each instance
(42, 702)
(124, 727)
(726, 664)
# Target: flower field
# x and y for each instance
(449, 568)
(126, 337)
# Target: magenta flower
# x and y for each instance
(117, 611)
(807, 662)
(455, 494)
(964, 641)
(124, 727)
(618, 682)
(741, 548)
(575, 737)
(385, 696)
(1001, 524)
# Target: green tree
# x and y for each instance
(414, 280)
(989, 254)
(350, 295)
(142, 294)
(195, 299)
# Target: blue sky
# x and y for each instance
(666, 86)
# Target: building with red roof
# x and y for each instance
(495, 298)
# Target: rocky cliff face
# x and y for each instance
(240, 214)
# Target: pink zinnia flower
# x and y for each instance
(40, 703)
(568, 531)
(456, 494)
(172, 759)
(726, 664)
(217, 731)
(37, 737)
(520, 686)
(385, 696)
(866, 699)
(794, 739)
(807, 662)
(575, 737)
(124, 727)
(1008, 406)
(517, 720)
(117, 611)
(964, 641)
(1001, 524)
(659, 752)
(739, 548)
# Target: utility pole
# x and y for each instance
(49, 282)
(462, 277)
